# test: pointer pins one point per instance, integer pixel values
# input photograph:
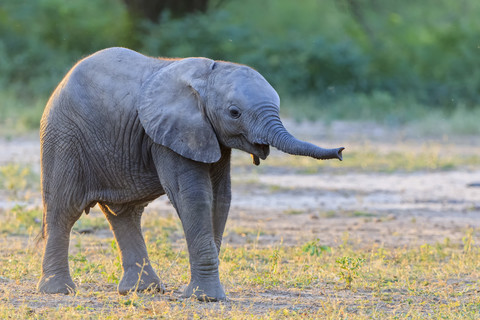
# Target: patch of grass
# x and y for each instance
(164, 229)
(275, 188)
(16, 179)
(294, 212)
(349, 269)
(328, 214)
(17, 184)
(361, 214)
(314, 248)
(428, 281)
(251, 234)
(20, 220)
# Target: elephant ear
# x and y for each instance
(171, 109)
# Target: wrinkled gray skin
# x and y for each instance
(122, 129)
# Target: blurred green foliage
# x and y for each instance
(42, 39)
(423, 53)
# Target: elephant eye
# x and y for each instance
(235, 112)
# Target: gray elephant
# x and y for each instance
(122, 129)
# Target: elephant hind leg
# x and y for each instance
(63, 190)
(138, 274)
(55, 276)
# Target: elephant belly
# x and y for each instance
(124, 187)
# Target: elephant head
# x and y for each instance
(193, 105)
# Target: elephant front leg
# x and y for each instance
(138, 274)
(220, 173)
(189, 187)
(204, 282)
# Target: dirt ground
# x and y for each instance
(279, 205)
(391, 209)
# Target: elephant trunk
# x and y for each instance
(285, 142)
(278, 137)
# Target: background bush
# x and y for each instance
(423, 53)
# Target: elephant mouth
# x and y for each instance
(261, 151)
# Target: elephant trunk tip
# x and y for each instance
(339, 153)
(327, 154)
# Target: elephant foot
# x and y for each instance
(132, 281)
(205, 291)
(57, 283)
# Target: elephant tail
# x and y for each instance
(42, 233)
(39, 238)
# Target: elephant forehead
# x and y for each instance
(250, 87)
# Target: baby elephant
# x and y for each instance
(122, 129)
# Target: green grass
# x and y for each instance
(362, 214)
(309, 280)
(17, 180)
(20, 221)
(304, 279)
